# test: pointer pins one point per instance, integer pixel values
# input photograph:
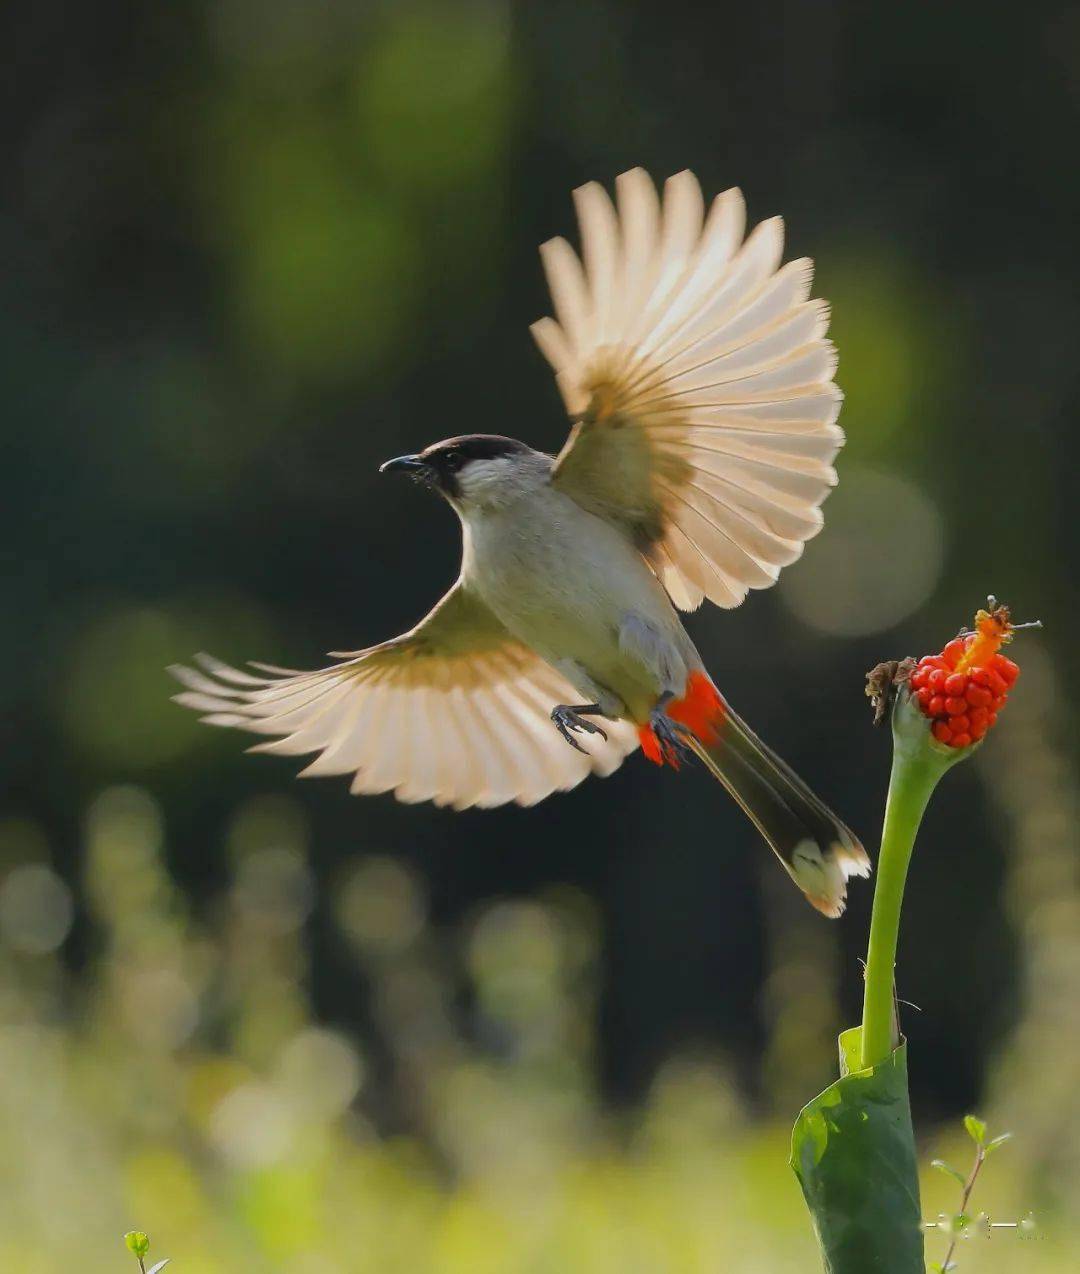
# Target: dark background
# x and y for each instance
(250, 251)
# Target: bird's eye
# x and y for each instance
(452, 459)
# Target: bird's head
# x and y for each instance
(474, 470)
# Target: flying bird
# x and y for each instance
(699, 381)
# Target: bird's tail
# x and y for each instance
(817, 850)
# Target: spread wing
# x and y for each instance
(700, 379)
(454, 711)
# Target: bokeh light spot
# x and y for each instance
(886, 323)
(275, 889)
(380, 906)
(320, 1071)
(267, 822)
(36, 909)
(435, 94)
(160, 1007)
(124, 837)
(116, 703)
(878, 559)
(252, 1126)
(115, 698)
(326, 284)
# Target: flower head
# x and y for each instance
(962, 690)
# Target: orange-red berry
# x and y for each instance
(963, 689)
(953, 651)
(978, 696)
(995, 683)
(1007, 668)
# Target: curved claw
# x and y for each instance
(567, 719)
(673, 738)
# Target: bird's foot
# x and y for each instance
(568, 719)
(673, 738)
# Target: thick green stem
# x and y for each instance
(918, 764)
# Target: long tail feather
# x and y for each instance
(816, 849)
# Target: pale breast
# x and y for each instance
(563, 581)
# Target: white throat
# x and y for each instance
(497, 482)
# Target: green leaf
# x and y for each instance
(853, 1151)
(991, 1146)
(947, 1168)
(976, 1129)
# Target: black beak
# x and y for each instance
(406, 464)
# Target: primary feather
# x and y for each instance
(454, 711)
(700, 378)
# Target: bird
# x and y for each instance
(696, 372)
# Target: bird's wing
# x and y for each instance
(700, 380)
(454, 711)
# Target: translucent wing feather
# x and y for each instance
(454, 711)
(701, 382)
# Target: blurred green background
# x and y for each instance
(251, 249)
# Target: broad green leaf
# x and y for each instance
(976, 1129)
(949, 1170)
(991, 1146)
(853, 1151)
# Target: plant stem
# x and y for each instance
(969, 1185)
(915, 772)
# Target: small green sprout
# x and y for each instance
(961, 1225)
(138, 1244)
(976, 1129)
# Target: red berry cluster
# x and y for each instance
(963, 689)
